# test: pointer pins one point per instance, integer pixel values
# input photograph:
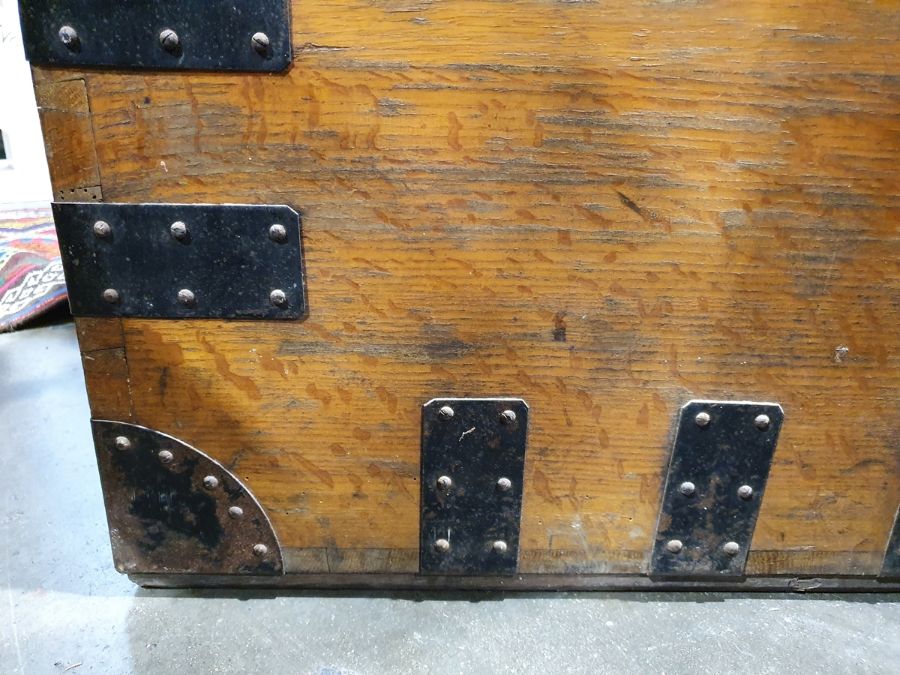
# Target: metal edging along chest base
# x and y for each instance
(182, 261)
(473, 466)
(715, 485)
(216, 35)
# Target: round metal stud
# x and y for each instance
(179, 230)
(687, 488)
(111, 295)
(508, 417)
(446, 412)
(442, 546)
(444, 483)
(210, 482)
(69, 37)
(186, 297)
(260, 42)
(745, 492)
(732, 548)
(123, 443)
(762, 422)
(260, 550)
(169, 40)
(278, 298)
(702, 419)
(504, 484)
(278, 233)
(674, 546)
(235, 512)
(102, 229)
(166, 456)
(499, 546)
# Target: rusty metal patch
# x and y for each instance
(717, 476)
(174, 510)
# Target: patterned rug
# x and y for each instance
(31, 274)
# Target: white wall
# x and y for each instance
(24, 178)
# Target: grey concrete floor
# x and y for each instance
(67, 610)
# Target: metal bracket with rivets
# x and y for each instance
(174, 510)
(715, 485)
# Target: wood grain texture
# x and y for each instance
(102, 344)
(68, 136)
(604, 208)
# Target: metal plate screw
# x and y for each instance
(260, 550)
(260, 42)
(446, 412)
(210, 482)
(179, 230)
(674, 546)
(702, 419)
(687, 488)
(442, 546)
(123, 443)
(186, 297)
(444, 483)
(102, 229)
(499, 546)
(235, 512)
(504, 484)
(507, 417)
(278, 233)
(111, 295)
(762, 422)
(745, 492)
(278, 298)
(166, 456)
(732, 548)
(69, 37)
(169, 40)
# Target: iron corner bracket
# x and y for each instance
(174, 510)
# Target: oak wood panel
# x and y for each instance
(606, 209)
(102, 344)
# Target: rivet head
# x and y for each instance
(166, 456)
(732, 548)
(210, 482)
(102, 229)
(111, 295)
(508, 417)
(444, 483)
(278, 233)
(260, 42)
(186, 297)
(674, 546)
(235, 512)
(446, 412)
(69, 37)
(260, 550)
(442, 546)
(499, 546)
(687, 488)
(278, 298)
(745, 492)
(179, 230)
(762, 422)
(123, 443)
(169, 40)
(702, 419)
(504, 484)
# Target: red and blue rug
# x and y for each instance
(31, 274)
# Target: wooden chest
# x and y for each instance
(523, 294)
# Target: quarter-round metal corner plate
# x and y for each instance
(174, 510)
